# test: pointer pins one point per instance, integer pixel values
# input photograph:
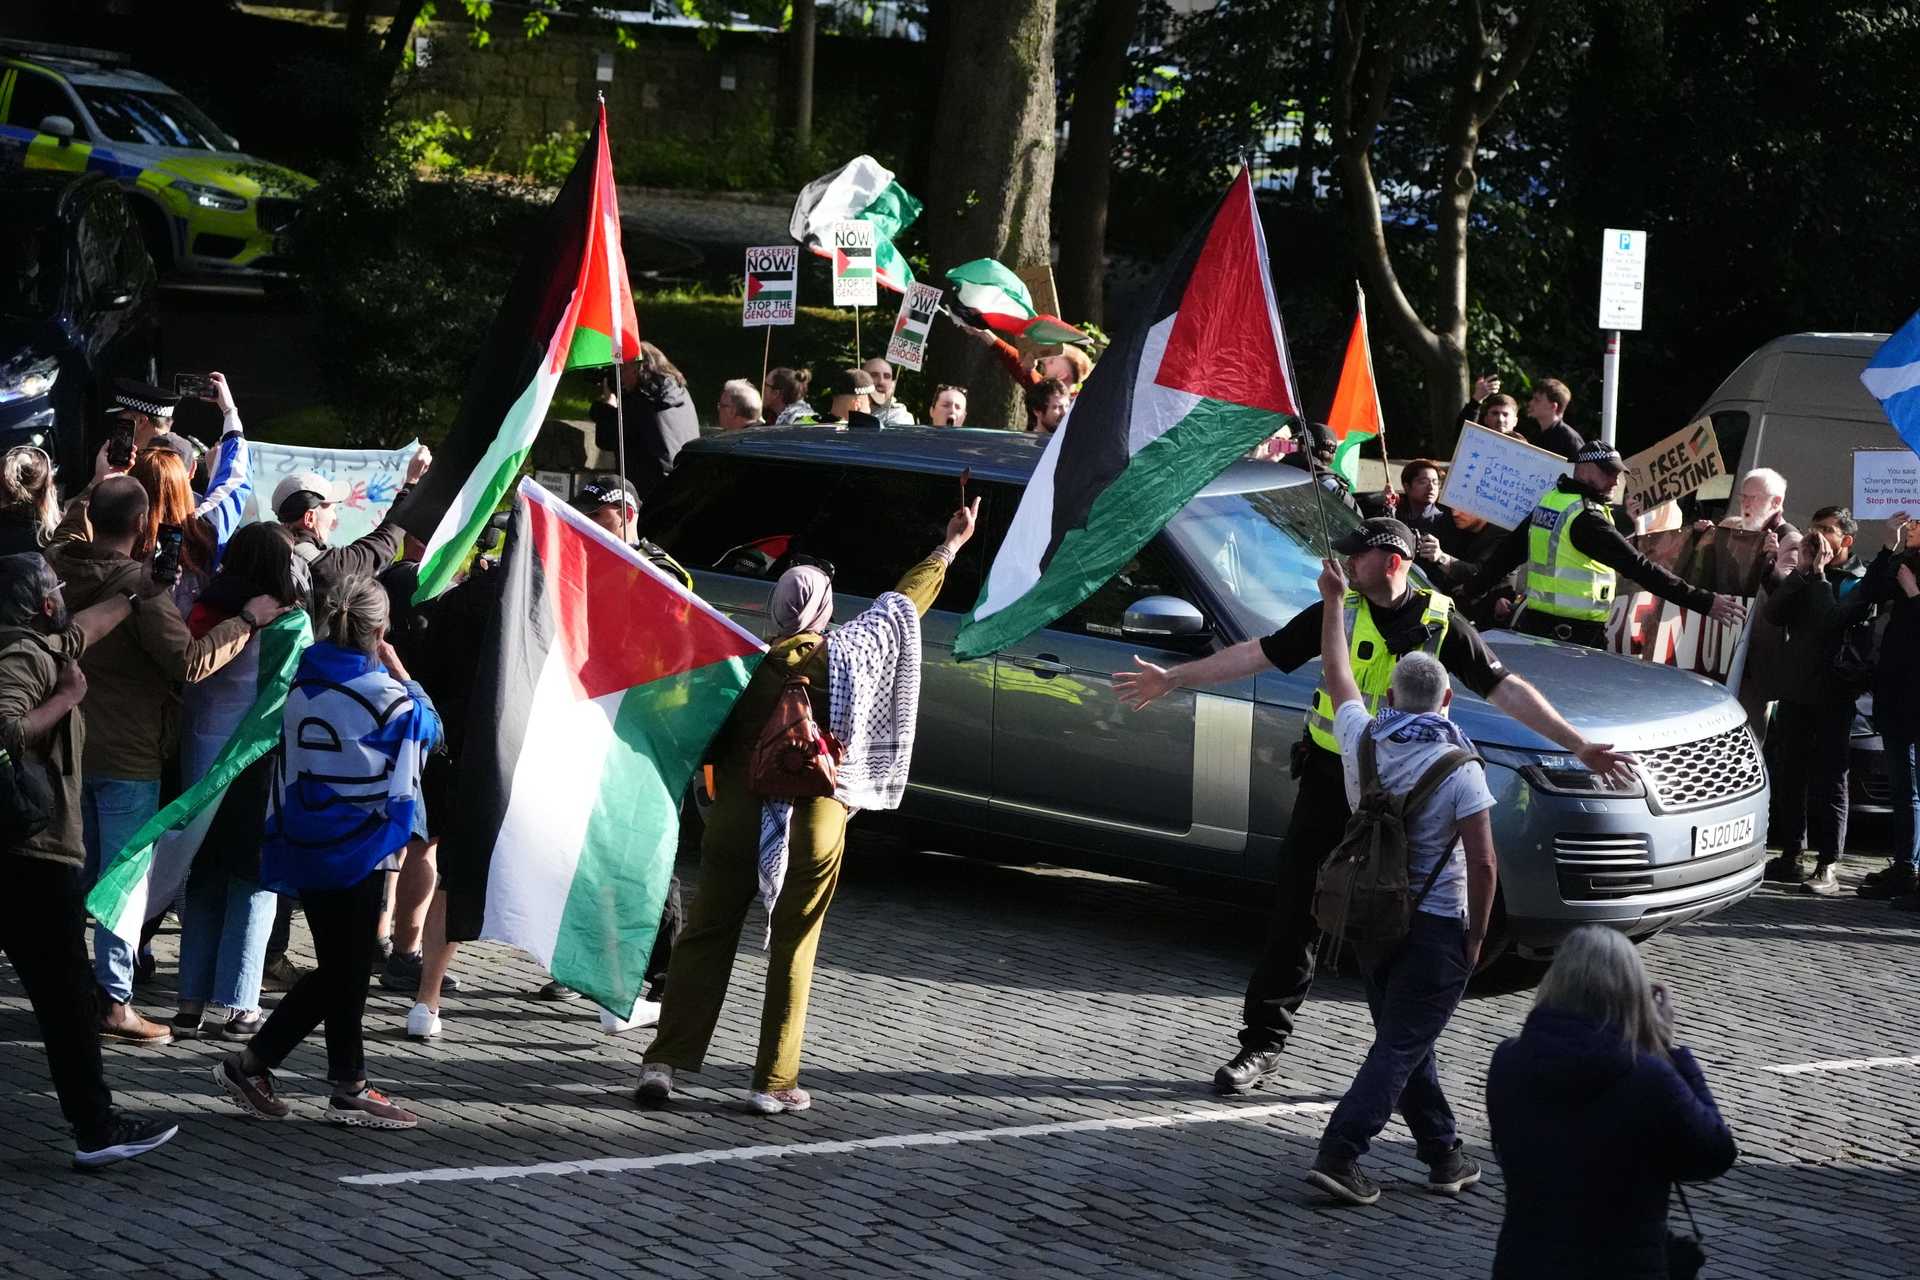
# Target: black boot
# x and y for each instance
(1895, 882)
(1785, 869)
(1247, 1069)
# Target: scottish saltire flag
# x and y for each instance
(1893, 376)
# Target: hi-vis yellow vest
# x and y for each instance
(1371, 661)
(1562, 580)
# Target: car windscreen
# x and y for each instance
(152, 119)
(1262, 549)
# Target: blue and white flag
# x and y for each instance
(1893, 376)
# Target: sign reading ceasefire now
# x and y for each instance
(1673, 468)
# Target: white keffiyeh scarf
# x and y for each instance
(873, 685)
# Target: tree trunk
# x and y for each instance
(1085, 177)
(800, 48)
(994, 136)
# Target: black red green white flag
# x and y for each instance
(570, 305)
(1202, 377)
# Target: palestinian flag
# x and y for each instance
(853, 262)
(569, 305)
(145, 877)
(1202, 378)
(989, 296)
(861, 188)
(1355, 417)
(601, 681)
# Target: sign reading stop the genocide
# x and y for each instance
(1623, 278)
(772, 286)
(853, 279)
(1673, 468)
(909, 344)
(1886, 482)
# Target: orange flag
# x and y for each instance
(1355, 417)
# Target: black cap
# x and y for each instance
(1320, 433)
(604, 491)
(852, 382)
(1381, 533)
(1601, 452)
(142, 397)
(179, 444)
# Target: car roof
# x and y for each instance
(80, 72)
(990, 453)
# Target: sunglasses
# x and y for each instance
(948, 386)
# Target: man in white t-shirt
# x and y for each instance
(1413, 990)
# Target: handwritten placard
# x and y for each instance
(1499, 477)
(1885, 483)
(1673, 468)
(371, 478)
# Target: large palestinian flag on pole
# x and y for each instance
(601, 682)
(990, 296)
(142, 879)
(860, 188)
(569, 305)
(1202, 377)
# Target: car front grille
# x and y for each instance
(1594, 865)
(275, 213)
(1710, 771)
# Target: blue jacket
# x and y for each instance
(1591, 1136)
(353, 743)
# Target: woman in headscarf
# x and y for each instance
(862, 682)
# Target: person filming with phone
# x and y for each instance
(132, 701)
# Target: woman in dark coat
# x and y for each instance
(1595, 1114)
(659, 416)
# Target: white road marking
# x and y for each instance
(1840, 1064)
(636, 1164)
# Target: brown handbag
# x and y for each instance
(794, 758)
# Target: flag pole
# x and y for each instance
(856, 334)
(619, 343)
(766, 354)
(1379, 415)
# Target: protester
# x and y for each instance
(29, 501)
(346, 801)
(1454, 568)
(1548, 408)
(1417, 506)
(949, 407)
(886, 404)
(1501, 413)
(226, 915)
(43, 911)
(1315, 457)
(1830, 648)
(1596, 1112)
(852, 401)
(739, 406)
(305, 502)
(1388, 619)
(1473, 413)
(1573, 555)
(651, 399)
(133, 706)
(785, 396)
(1070, 365)
(1047, 403)
(788, 854)
(1412, 989)
(1890, 583)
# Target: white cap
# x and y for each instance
(307, 482)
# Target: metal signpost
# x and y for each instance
(1623, 284)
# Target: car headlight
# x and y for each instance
(27, 379)
(210, 197)
(1562, 775)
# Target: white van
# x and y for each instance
(1797, 405)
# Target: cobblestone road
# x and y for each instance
(1082, 1014)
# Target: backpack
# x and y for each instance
(1362, 894)
(793, 758)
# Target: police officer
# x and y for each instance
(1575, 556)
(1386, 618)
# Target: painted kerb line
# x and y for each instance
(637, 1164)
(1841, 1064)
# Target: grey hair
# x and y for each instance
(743, 394)
(26, 580)
(1775, 482)
(1597, 974)
(1419, 683)
(354, 614)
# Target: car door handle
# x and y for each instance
(1045, 665)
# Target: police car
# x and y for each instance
(208, 211)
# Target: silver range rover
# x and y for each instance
(1030, 752)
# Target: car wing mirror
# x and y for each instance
(59, 126)
(1157, 619)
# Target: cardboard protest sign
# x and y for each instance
(1673, 468)
(1725, 561)
(371, 478)
(1499, 477)
(918, 306)
(853, 279)
(772, 286)
(1885, 483)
